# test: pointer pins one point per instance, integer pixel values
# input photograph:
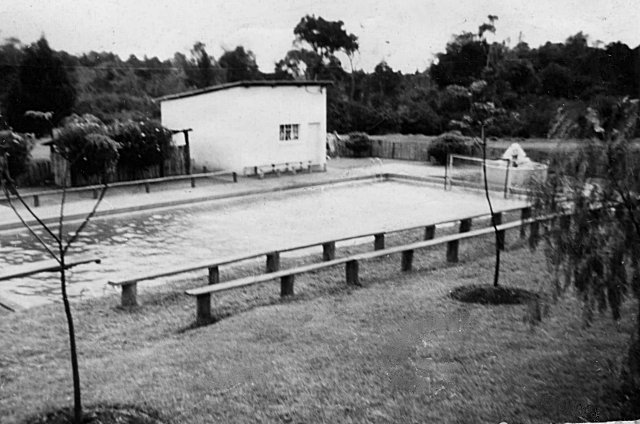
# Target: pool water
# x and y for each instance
(149, 241)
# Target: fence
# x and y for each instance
(38, 173)
(386, 149)
(174, 164)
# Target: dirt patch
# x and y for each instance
(490, 295)
(102, 414)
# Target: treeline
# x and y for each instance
(538, 86)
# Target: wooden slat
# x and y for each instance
(44, 266)
(254, 279)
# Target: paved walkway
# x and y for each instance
(122, 200)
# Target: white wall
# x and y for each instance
(239, 127)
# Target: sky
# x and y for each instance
(407, 34)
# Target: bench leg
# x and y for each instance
(203, 308)
(465, 225)
(407, 260)
(273, 261)
(429, 232)
(329, 251)
(534, 234)
(378, 242)
(524, 215)
(286, 285)
(129, 295)
(214, 275)
(352, 273)
(452, 251)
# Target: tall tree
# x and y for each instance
(239, 65)
(42, 85)
(202, 71)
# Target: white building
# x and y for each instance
(243, 125)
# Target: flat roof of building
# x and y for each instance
(246, 84)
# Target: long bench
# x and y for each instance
(49, 265)
(203, 294)
(129, 285)
(95, 189)
(278, 168)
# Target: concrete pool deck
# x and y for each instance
(132, 199)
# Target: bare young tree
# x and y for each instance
(57, 243)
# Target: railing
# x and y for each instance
(129, 285)
(95, 189)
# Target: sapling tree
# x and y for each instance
(594, 247)
(483, 113)
(101, 152)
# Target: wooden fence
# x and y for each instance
(174, 164)
(405, 150)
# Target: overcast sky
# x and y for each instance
(405, 33)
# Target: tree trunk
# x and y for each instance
(77, 397)
(496, 272)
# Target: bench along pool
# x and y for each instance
(144, 242)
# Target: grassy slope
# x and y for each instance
(398, 350)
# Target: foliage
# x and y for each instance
(42, 84)
(239, 65)
(359, 144)
(142, 143)
(448, 144)
(597, 250)
(100, 155)
(18, 150)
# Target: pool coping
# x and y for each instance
(53, 220)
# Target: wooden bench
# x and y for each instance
(278, 168)
(49, 265)
(203, 294)
(129, 285)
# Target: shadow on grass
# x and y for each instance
(100, 414)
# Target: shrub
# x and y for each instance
(84, 143)
(142, 143)
(18, 150)
(359, 144)
(450, 143)
(100, 156)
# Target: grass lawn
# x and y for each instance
(397, 350)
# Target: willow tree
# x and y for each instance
(594, 246)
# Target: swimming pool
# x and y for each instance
(147, 241)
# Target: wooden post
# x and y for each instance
(286, 285)
(352, 273)
(146, 187)
(407, 260)
(235, 177)
(329, 251)
(378, 241)
(524, 215)
(309, 168)
(203, 308)
(534, 234)
(273, 261)
(36, 200)
(187, 152)
(95, 193)
(465, 225)
(193, 182)
(497, 220)
(214, 275)
(429, 232)
(129, 294)
(452, 251)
